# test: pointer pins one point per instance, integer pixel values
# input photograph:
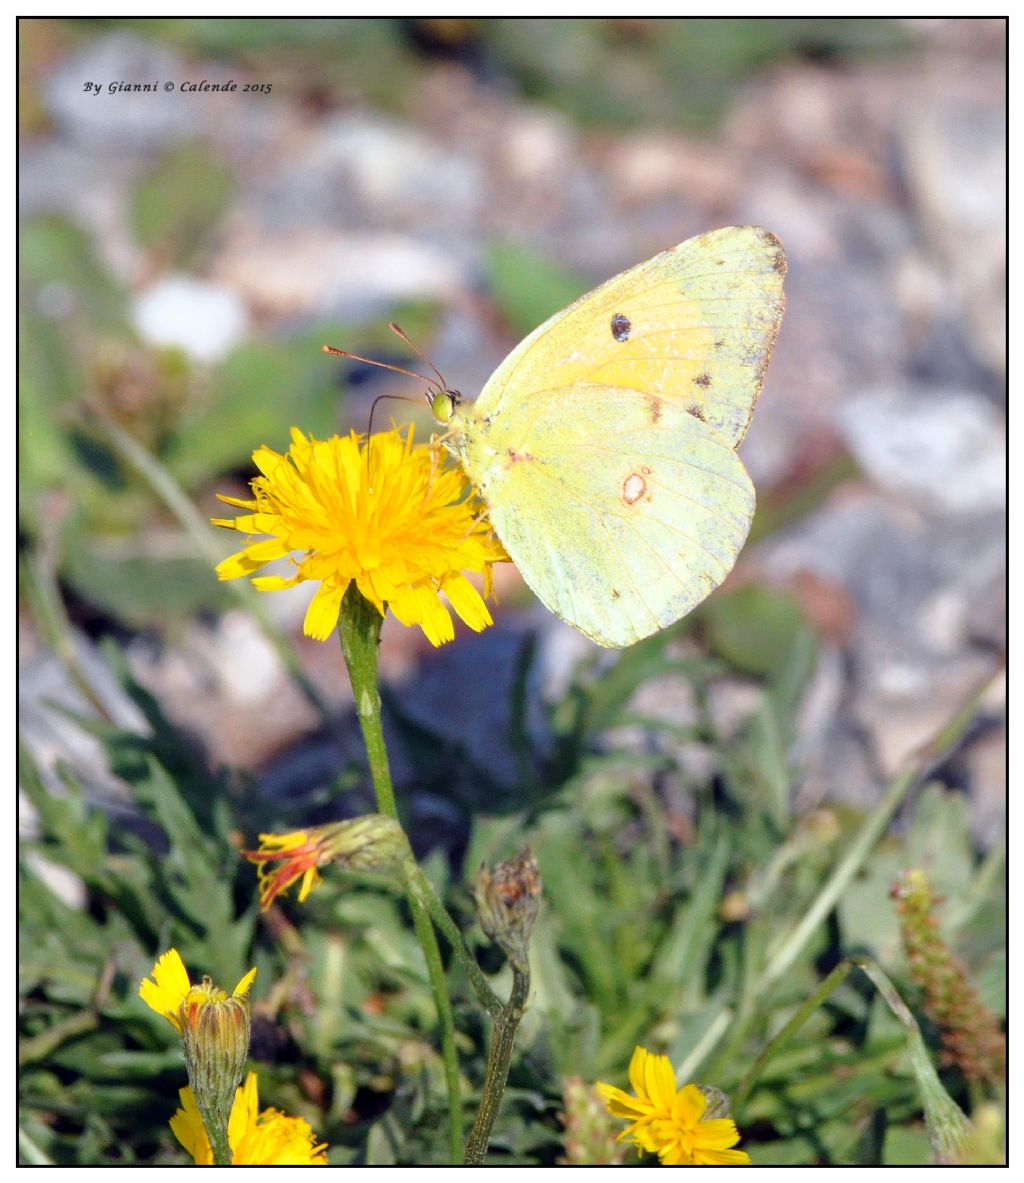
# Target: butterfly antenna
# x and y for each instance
(400, 332)
(383, 365)
(398, 397)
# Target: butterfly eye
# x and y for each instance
(443, 403)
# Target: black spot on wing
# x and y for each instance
(621, 327)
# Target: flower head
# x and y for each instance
(214, 1029)
(256, 1139)
(169, 992)
(391, 516)
(669, 1122)
(507, 903)
(371, 843)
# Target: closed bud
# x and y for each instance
(507, 902)
(215, 1036)
(716, 1102)
(590, 1139)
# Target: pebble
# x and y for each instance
(205, 320)
(946, 448)
(351, 276)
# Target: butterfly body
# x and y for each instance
(604, 444)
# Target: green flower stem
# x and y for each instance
(498, 1060)
(42, 590)
(359, 628)
(217, 1131)
(439, 913)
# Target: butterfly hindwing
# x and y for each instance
(621, 509)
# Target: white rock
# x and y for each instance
(307, 272)
(203, 319)
(947, 447)
(394, 171)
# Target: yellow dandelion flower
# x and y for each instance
(270, 1138)
(169, 992)
(670, 1122)
(391, 516)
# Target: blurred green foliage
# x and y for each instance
(177, 204)
(83, 372)
(624, 72)
(527, 287)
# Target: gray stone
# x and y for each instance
(365, 171)
(225, 684)
(120, 122)
(353, 276)
(912, 663)
(48, 698)
(955, 147)
(947, 448)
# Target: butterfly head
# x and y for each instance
(443, 404)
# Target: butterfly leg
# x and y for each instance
(435, 446)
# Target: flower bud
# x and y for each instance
(507, 902)
(590, 1138)
(971, 1033)
(215, 1036)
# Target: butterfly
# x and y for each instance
(605, 443)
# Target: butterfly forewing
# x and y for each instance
(695, 324)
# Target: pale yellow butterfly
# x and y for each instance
(604, 444)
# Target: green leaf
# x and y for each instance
(945, 1122)
(527, 287)
(939, 842)
(754, 628)
(59, 264)
(141, 591)
(257, 394)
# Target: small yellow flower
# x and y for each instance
(370, 843)
(670, 1122)
(171, 994)
(269, 1138)
(391, 516)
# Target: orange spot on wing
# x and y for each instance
(633, 488)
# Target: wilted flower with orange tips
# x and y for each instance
(371, 843)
